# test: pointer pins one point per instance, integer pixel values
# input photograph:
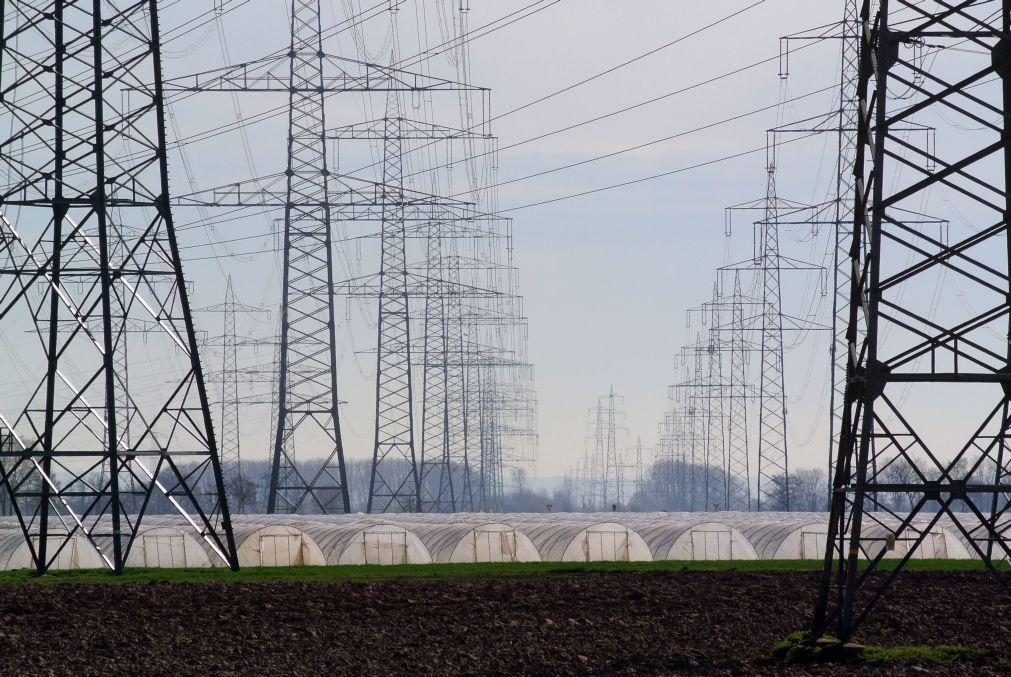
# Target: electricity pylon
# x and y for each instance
(313, 197)
(307, 394)
(230, 438)
(716, 448)
(436, 473)
(847, 138)
(394, 484)
(773, 455)
(90, 259)
(602, 462)
(767, 267)
(443, 480)
(613, 468)
(906, 333)
(738, 454)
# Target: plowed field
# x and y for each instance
(634, 623)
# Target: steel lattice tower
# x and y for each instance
(89, 257)
(307, 395)
(612, 468)
(770, 323)
(695, 401)
(738, 464)
(716, 443)
(313, 197)
(457, 429)
(597, 463)
(847, 133)
(230, 440)
(773, 466)
(492, 480)
(603, 464)
(394, 484)
(445, 460)
(900, 335)
(228, 341)
(443, 455)
(436, 481)
(721, 401)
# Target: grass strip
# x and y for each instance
(799, 649)
(369, 573)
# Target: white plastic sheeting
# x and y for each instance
(936, 542)
(275, 545)
(78, 553)
(576, 541)
(168, 547)
(804, 535)
(695, 539)
(782, 535)
(364, 543)
(466, 542)
(293, 540)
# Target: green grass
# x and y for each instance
(797, 650)
(930, 655)
(339, 574)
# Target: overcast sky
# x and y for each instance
(606, 277)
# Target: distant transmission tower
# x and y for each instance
(89, 256)
(773, 456)
(394, 485)
(613, 467)
(770, 324)
(436, 480)
(231, 457)
(444, 476)
(603, 462)
(312, 197)
(849, 115)
(738, 453)
(230, 429)
(716, 448)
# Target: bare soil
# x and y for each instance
(628, 623)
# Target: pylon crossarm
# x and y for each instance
(270, 74)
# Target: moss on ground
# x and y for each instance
(799, 648)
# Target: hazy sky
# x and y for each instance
(606, 277)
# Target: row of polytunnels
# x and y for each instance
(317, 540)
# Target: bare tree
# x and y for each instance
(807, 490)
(243, 492)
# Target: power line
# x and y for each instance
(640, 57)
(652, 177)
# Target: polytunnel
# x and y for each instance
(781, 535)
(804, 536)
(169, 547)
(274, 545)
(367, 543)
(787, 539)
(78, 553)
(465, 542)
(695, 539)
(572, 541)
(938, 542)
